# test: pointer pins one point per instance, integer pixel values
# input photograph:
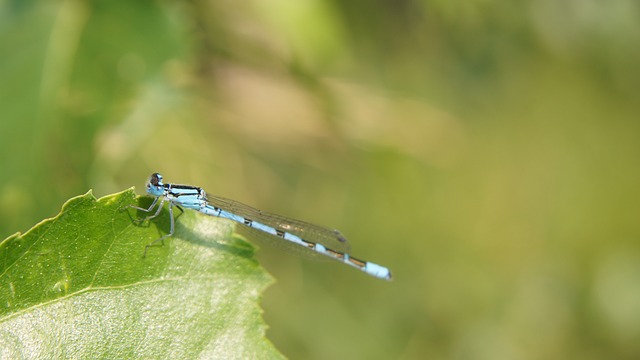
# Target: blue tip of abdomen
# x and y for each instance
(378, 271)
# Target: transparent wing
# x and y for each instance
(329, 238)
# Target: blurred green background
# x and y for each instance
(486, 151)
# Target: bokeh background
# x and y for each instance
(486, 151)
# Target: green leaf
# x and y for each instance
(78, 286)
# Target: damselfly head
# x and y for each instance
(155, 179)
(154, 185)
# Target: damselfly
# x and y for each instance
(300, 234)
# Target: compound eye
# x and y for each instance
(155, 179)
